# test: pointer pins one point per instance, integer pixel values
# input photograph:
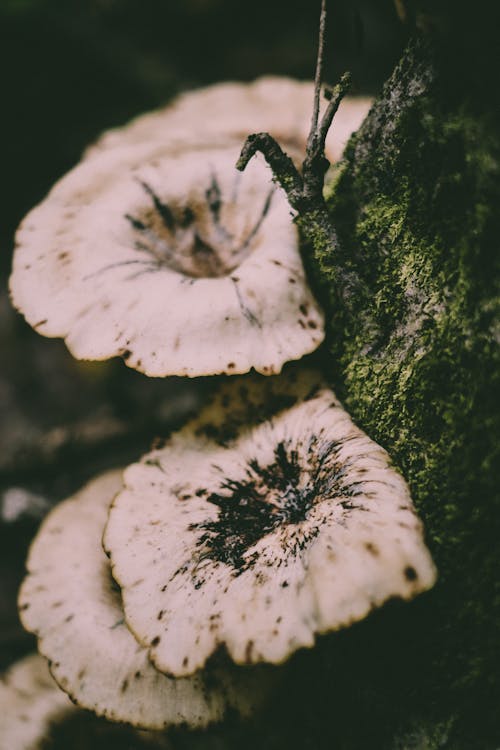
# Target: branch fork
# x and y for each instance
(304, 189)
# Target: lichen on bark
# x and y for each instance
(412, 304)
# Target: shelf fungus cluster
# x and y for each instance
(268, 519)
(75, 611)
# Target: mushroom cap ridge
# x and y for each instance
(229, 111)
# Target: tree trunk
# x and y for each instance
(412, 302)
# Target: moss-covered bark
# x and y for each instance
(412, 301)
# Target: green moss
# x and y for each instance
(412, 304)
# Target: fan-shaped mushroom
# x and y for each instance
(177, 263)
(258, 537)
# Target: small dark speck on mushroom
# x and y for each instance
(155, 640)
(410, 573)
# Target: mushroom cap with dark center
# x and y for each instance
(271, 496)
(70, 601)
(259, 535)
(202, 237)
(176, 262)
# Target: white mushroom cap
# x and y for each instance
(231, 111)
(30, 701)
(262, 537)
(179, 264)
(71, 603)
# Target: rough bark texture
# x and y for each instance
(413, 304)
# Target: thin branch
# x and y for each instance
(305, 190)
(337, 94)
(318, 77)
(283, 168)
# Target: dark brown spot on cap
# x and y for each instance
(410, 573)
(249, 651)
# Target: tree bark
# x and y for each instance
(412, 303)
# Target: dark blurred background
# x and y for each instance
(72, 68)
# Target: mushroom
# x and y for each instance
(31, 702)
(70, 601)
(258, 537)
(177, 263)
(227, 112)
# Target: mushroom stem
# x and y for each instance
(305, 191)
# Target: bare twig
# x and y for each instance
(318, 77)
(336, 94)
(284, 170)
(305, 190)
